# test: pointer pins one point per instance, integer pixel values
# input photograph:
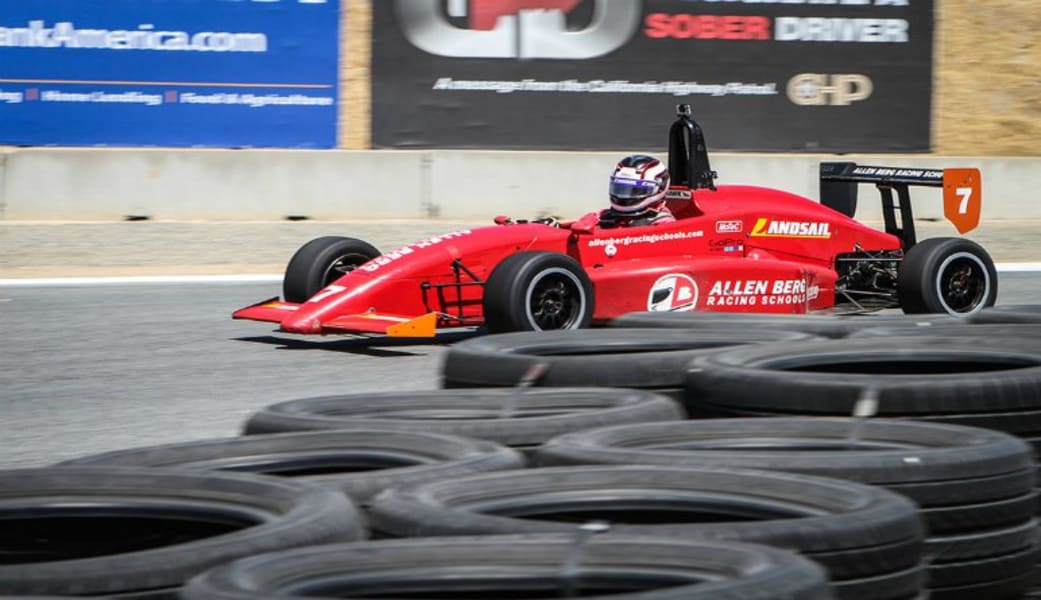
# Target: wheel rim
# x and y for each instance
(342, 266)
(962, 283)
(555, 300)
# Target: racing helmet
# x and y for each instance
(638, 182)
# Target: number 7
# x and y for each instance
(965, 193)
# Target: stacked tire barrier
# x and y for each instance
(817, 325)
(359, 463)
(521, 419)
(974, 487)
(648, 359)
(1009, 313)
(1014, 328)
(181, 509)
(977, 381)
(696, 455)
(532, 566)
(869, 539)
(142, 533)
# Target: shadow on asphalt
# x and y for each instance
(369, 346)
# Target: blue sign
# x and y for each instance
(213, 73)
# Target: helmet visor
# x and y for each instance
(626, 190)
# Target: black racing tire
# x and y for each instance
(910, 376)
(516, 418)
(829, 326)
(322, 261)
(537, 291)
(1006, 512)
(1026, 333)
(1009, 313)
(946, 275)
(959, 547)
(633, 358)
(991, 569)
(360, 463)
(1009, 588)
(122, 530)
(971, 484)
(531, 566)
(1019, 423)
(854, 530)
(934, 465)
(909, 584)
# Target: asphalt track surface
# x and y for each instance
(88, 366)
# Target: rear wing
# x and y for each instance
(962, 199)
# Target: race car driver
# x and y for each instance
(637, 191)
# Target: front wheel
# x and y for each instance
(537, 291)
(322, 261)
(946, 275)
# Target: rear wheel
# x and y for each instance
(322, 261)
(537, 291)
(947, 275)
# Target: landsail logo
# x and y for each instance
(791, 229)
(516, 28)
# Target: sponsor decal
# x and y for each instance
(706, 27)
(726, 245)
(12, 97)
(446, 56)
(812, 292)
(647, 238)
(673, 292)
(600, 86)
(386, 259)
(674, 194)
(934, 174)
(822, 2)
(765, 227)
(760, 292)
(65, 34)
(686, 26)
(735, 226)
(515, 28)
(819, 89)
(820, 29)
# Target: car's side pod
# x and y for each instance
(961, 194)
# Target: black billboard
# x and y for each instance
(761, 75)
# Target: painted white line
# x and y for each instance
(144, 279)
(1013, 267)
(1018, 267)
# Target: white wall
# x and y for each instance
(108, 184)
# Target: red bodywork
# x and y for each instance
(737, 248)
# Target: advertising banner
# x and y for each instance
(217, 73)
(772, 75)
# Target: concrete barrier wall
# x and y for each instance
(110, 184)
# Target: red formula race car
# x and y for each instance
(731, 248)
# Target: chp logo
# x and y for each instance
(726, 245)
(673, 292)
(819, 89)
(516, 28)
